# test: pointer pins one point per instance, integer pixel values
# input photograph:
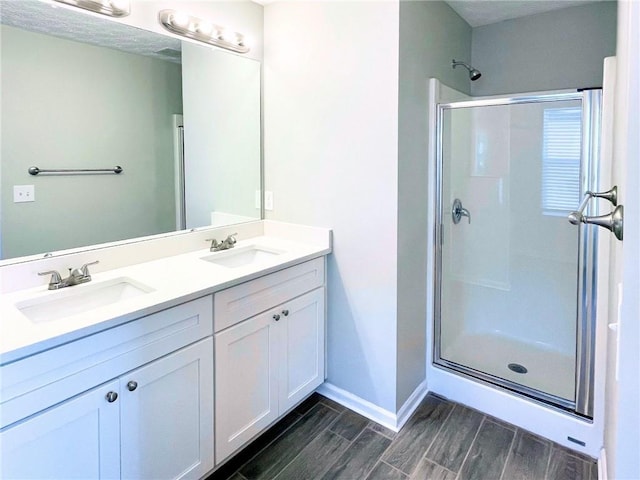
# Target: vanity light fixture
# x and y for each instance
(113, 8)
(198, 29)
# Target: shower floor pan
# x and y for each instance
(547, 370)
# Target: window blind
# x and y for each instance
(561, 151)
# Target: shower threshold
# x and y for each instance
(532, 370)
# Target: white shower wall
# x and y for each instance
(511, 271)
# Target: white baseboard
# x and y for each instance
(411, 404)
(373, 412)
(359, 405)
(602, 465)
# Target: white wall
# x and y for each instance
(622, 435)
(550, 51)
(331, 123)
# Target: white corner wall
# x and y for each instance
(331, 159)
(622, 435)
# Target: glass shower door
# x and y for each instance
(508, 309)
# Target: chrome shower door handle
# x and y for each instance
(458, 211)
(614, 221)
(611, 195)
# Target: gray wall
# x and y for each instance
(68, 105)
(431, 35)
(551, 51)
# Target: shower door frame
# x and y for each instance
(583, 405)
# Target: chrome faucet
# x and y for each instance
(226, 244)
(76, 277)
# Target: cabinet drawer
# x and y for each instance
(248, 299)
(37, 382)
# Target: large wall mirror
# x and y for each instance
(82, 92)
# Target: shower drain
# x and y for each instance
(516, 367)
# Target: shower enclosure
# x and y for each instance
(514, 280)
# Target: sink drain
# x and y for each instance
(516, 367)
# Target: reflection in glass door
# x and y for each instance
(512, 306)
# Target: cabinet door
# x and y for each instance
(167, 416)
(246, 382)
(79, 438)
(302, 354)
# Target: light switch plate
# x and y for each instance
(24, 193)
(268, 200)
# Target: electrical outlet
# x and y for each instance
(268, 200)
(24, 193)
(257, 199)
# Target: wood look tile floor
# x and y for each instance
(442, 441)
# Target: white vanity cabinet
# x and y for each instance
(130, 402)
(166, 416)
(269, 351)
(79, 438)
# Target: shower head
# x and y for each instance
(474, 74)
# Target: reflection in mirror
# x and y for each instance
(71, 104)
(222, 136)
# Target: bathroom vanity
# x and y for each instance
(165, 368)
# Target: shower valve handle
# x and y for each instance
(458, 211)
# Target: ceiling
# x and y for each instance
(483, 12)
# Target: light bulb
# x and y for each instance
(121, 5)
(229, 36)
(180, 20)
(205, 28)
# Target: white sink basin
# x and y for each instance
(240, 257)
(74, 300)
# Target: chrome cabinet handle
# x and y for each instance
(285, 312)
(276, 317)
(131, 385)
(111, 397)
(457, 212)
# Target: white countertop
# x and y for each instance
(174, 280)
